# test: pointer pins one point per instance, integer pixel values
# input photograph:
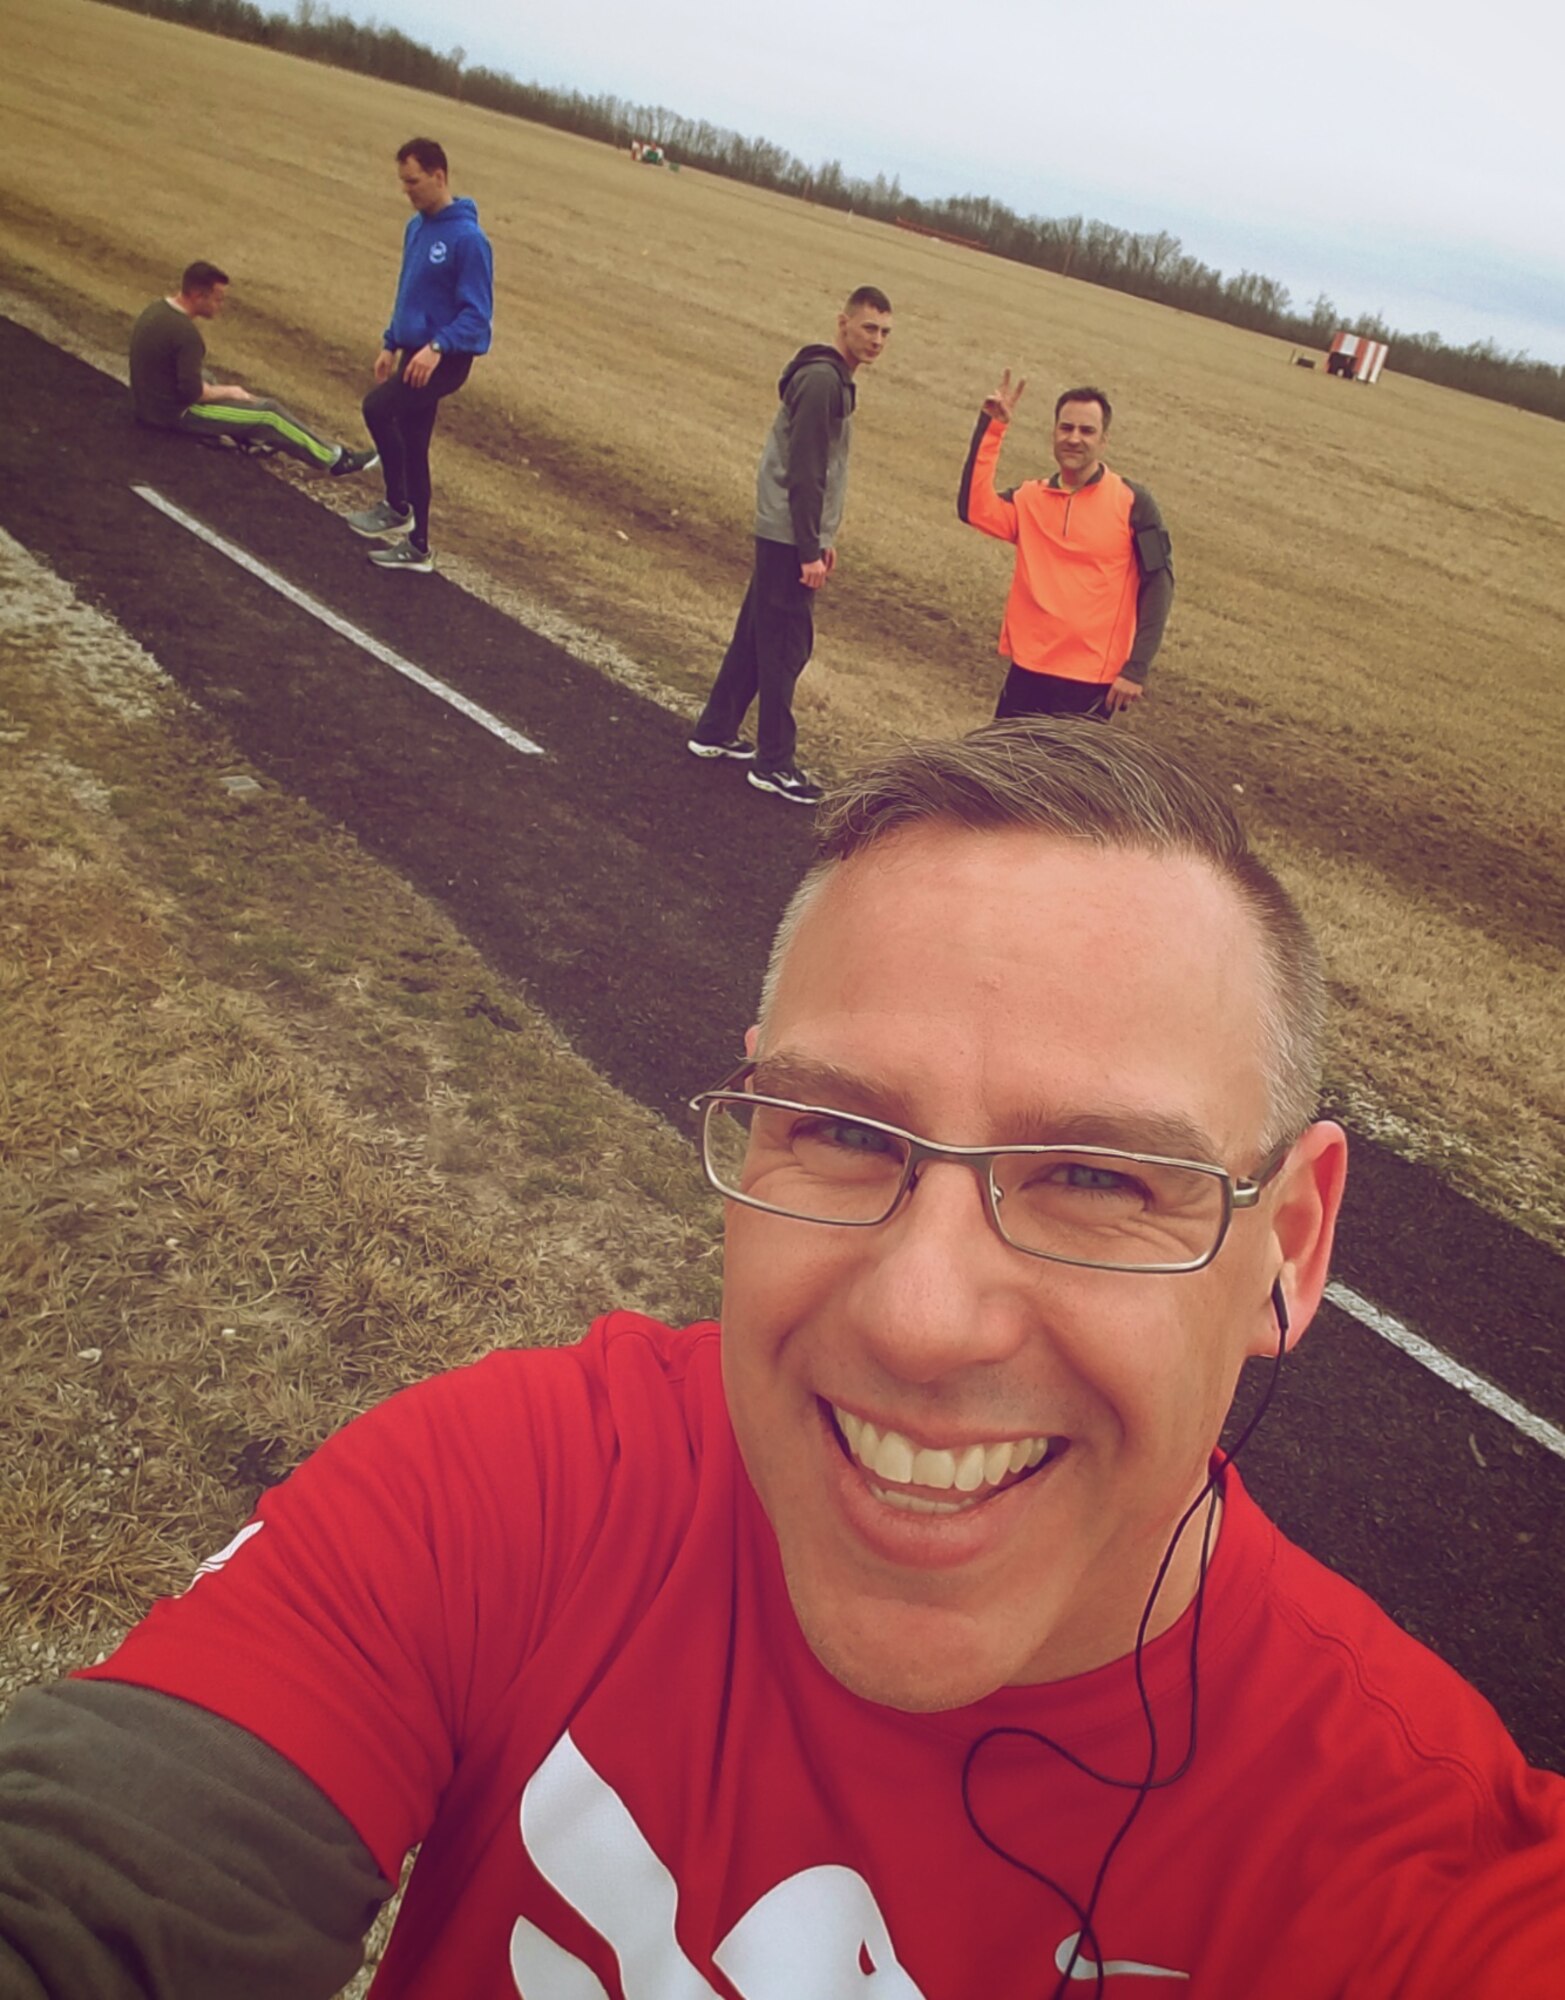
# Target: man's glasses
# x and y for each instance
(1089, 1205)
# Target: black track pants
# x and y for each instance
(401, 420)
(259, 422)
(1027, 693)
(773, 638)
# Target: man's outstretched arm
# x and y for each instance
(149, 1848)
(977, 503)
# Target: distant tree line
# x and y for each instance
(1150, 264)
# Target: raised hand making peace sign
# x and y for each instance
(1002, 404)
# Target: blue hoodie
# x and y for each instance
(446, 290)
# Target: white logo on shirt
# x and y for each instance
(1111, 1968)
(437, 253)
(225, 1554)
(818, 1932)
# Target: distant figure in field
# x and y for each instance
(169, 389)
(441, 322)
(800, 489)
(1094, 575)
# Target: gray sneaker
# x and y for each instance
(348, 462)
(381, 521)
(403, 555)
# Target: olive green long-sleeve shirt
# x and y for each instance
(166, 353)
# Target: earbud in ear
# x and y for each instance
(1280, 1307)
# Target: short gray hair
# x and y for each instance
(1103, 787)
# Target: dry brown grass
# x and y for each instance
(276, 1143)
(264, 1159)
(1369, 579)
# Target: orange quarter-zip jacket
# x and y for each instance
(1094, 579)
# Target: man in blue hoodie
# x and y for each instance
(439, 325)
(801, 485)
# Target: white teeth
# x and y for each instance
(970, 1469)
(934, 1468)
(916, 1503)
(899, 1462)
(894, 1459)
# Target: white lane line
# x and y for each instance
(1484, 1392)
(342, 626)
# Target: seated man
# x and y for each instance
(907, 1634)
(170, 391)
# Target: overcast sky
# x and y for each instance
(1404, 158)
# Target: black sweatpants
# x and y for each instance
(1027, 693)
(774, 636)
(401, 420)
(259, 421)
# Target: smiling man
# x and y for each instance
(1093, 580)
(909, 1634)
(974, 1454)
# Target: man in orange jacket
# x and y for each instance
(1094, 575)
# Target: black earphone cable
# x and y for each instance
(1086, 1936)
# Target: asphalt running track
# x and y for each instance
(633, 891)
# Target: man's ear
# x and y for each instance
(1304, 1221)
(752, 1040)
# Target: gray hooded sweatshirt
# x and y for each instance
(802, 480)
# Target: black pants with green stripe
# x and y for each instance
(260, 422)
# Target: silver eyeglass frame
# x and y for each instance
(1239, 1192)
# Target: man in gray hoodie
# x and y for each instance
(801, 485)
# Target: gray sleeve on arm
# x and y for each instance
(1155, 594)
(149, 1848)
(813, 404)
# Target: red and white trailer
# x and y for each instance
(1356, 356)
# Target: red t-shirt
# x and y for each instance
(531, 1614)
